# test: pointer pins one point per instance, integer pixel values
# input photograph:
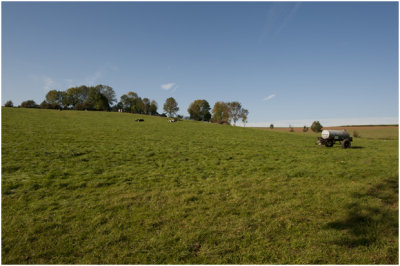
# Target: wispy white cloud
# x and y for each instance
(168, 86)
(92, 79)
(278, 16)
(269, 97)
(289, 16)
(69, 82)
(48, 83)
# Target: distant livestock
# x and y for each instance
(172, 120)
(139, 120)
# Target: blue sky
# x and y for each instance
(286, 62)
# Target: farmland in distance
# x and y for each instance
(98, 187)
(385, 132)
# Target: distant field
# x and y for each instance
(367, 132)
(99, 188)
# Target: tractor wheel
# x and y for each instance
(346, 144)
(329, 143)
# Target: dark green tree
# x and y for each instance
(9, 104)
(56, 99)
(29, 104)
(153, 107)
(137, 106)
(316, 126)
(76, 97)
(129, 102)
(108, 92)
(96, 100)
(146, 106)
(45, 105)
(199, 110)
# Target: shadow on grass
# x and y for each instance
(364, 225)
(356, 147)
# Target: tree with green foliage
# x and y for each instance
(96, 100)
(146, 106)
(29, 104)
(108, 92)
(200, 110)
(9, 104)
(56, 99)
(153, 107)
(220, 113)
(45, 105)
(76, 97)
(235, 109)
(119, 106)
(271, 126)
(129, 102)
(138, 106)
(305, 129)
(171, 106)
(125, 103)
(243, 115)
(316, 126)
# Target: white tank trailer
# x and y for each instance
(329, 137)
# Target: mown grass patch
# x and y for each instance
(97, 187)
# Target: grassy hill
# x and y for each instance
(97, 187)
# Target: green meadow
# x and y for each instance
(97, 187)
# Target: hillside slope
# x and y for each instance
(97, 187)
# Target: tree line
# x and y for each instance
(315, 127)
(103, 98)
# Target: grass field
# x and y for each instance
(97, 187)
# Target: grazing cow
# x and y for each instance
(172, 120)
(139, 120)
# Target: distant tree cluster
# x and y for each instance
(96, 98)
(225, 113)
(199, 110)
(132, 103)
(102, 98)
(99, 97)
(29, 104)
